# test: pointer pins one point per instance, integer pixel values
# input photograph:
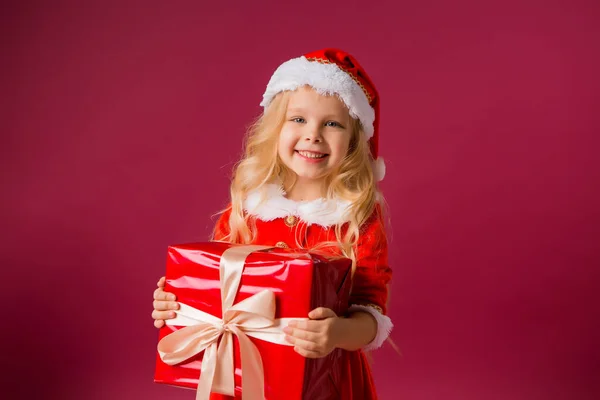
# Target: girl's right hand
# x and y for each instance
(164, 304)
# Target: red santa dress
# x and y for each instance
(286, 223)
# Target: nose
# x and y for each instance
(313, 134)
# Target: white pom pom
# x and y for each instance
(379, 169)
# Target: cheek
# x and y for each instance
(341, 148)
(286, 143)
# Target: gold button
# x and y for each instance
(291, 220)
(282, 245)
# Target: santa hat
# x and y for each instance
(329, 72)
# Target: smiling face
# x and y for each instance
(315, 136)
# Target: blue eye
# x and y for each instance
(333, 124)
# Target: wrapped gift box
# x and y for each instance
(301, 281)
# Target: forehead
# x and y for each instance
(308, 99)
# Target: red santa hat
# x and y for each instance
(329, 72)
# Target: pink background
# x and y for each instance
(121, 121)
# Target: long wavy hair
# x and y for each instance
(353, 181)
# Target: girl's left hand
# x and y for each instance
(317, 337)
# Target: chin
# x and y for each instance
(307, 177)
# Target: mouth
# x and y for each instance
(312, 155)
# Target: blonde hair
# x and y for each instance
(353, 181)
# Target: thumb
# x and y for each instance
(321, 313)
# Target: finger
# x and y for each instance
(307, 353)
(311, 326)
(160, 294)
(159, 323)
(304, 344)
(165, 305)
(301, 334)
(162, 315)
(161, 282)
(321, 313)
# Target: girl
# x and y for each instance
(308, 180)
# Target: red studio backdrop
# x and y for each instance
(121, 121)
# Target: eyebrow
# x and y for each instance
(295, 109)
(302, 110)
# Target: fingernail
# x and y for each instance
(174, 306)
(287, 329)
(171, 297)
(172, 314)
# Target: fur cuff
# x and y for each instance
(384, 325)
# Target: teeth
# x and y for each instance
(309, 154)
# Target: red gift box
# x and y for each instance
(300, 281)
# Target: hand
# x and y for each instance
(319, 336)
(164, 304)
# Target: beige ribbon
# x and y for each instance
(254, 316)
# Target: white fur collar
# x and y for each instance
(270, 203)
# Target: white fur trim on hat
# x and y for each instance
(384, 325)
(327, 79)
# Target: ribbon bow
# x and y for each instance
(254, 316)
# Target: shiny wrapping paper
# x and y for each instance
(301, 281)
